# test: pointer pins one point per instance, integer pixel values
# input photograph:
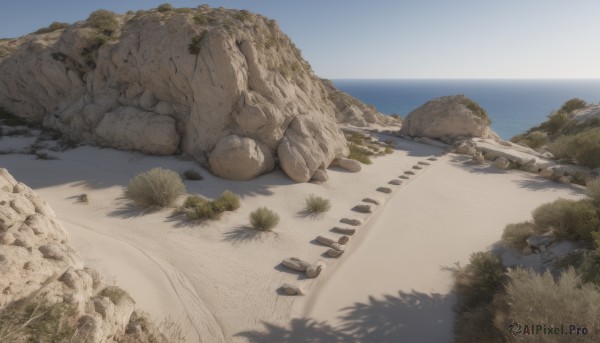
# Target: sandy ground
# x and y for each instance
(221, 282)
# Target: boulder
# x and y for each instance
(129, 128)
(501, 163)
(546, 172)
(372, 201)
(240, 158)
(465, 149)
(344, 240)
(334, 253)
(530, 166)
(478, 157)
(348, 164)
(362, 208)
(395, 182)
(351, 221)
(448, 116)
(291, 289)
(344, 230)
(386, 190)
(320, 176)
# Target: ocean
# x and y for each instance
(513, 105)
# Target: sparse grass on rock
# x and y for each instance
(55, 26)
(263, 219)
(358, 154)
(316, 204)
(155, 188)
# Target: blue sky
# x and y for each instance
(397, 39)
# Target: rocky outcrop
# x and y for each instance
(350, 110)
(448, 117)
(163, 82)
(39, 268)
(240, 158)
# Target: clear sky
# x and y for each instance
(396, 38)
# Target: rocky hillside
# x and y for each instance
(572, 134)
(46, 292)
(224, 87)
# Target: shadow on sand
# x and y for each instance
(407, 317)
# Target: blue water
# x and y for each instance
(513, 105)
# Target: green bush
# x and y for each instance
(534, 139)
(514, 235)
(478, 281)
(476, 325)
(155, 188)
(572, 105)
(192, 175)
(104, 21)
(593, 190)
(358, 154)
(263, 219)
(535, 298)
(52, 27)
(193, 201)
(568, 218)
(207, 210)
(583, 148)
(166, 7)
(316, 204)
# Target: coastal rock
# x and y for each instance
(546, 172)
(385, 190)
(465, 149)
(291, 289)
(395, 182)
(320, 176)
(449, 116)
(344, 240)
(348, 164)
(344, 230)
(362, 208)
(351, 221)
(530, 166)
(37, 258)
(372, 201)
(206, 83)
(240, 158)
(501, 163)
(334, 253)
(478, 157)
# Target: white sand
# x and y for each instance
(221, 283)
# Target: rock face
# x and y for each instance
(448, 116)
(217, 73)
(353, 112)
(36, 260)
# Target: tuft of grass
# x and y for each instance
(263, 219)
(358, 154)
(228, 201)
(55, 26)
(192, 175)
(316, 204)
(514, 235)
(155, 188)
(83, 198)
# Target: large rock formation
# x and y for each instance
(40, 272)
(177, 81)
(448, 117)
(350, 110)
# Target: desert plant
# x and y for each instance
(192, 175)
(263, 219)
(388, 150)
(242, 15)
(593, 190)
(166, 7)
(207, 210)
(83, 198)
(568, 218)
(478, 281)
(200, 19)
(52, 27)
(228, 201)
(104, 21)
(194, 46)
(193, 201)
(539, 298)
(514, 235)
(155, 188)
(358, 154)
(535, 139)
(316, 204)
(572, 105)
(582, 148)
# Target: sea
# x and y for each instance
(513, 105)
